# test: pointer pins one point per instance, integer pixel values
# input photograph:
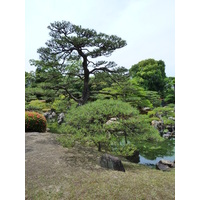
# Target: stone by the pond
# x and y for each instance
(165, 165)
(168, 163)
(158, 125)
(111, 162)
(171, 118)
(162, 167)
(170, 128)
(167, 135)
(135, 158)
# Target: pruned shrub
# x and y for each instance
(35, 122)
(106, 124)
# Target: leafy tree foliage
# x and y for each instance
(36, 88)
(150, 74)
(169, 92)
(29, 79)
(128, 91)
(70, 42)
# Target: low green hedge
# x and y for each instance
(35, 122)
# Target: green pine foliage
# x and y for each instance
(35, 122)
(128, 91)
(169, 92)
(106, 123)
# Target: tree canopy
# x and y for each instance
(169, 92)
(150, 74)
(71, 43)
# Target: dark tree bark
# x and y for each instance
(99, 146)
(125, 134)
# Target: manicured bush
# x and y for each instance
(106, 123)
(35, 122)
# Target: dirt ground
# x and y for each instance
(48, 164)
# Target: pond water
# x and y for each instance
(146, 161)
(150, 153)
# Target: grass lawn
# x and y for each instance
(55, 172)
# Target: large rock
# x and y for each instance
(46, 115)
(170, 128)
(111, 162)
(162, 167)
(145, 110)
(112, 120)
(167, 135)
(158, 125)
(53, 114)
(171, 118)
(60, 118)
(49, 115)
(165, 165)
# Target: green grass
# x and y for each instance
(138, 182)
(78, 176)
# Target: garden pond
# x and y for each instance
(150, 153)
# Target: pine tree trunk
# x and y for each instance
(125, 137)
(99, 146)
(86, 92)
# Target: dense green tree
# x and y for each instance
(128, 90)
(70, 42)
(36, 88)
(29, 79)
(150, 74)
(169, 90)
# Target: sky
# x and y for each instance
(148, 26)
